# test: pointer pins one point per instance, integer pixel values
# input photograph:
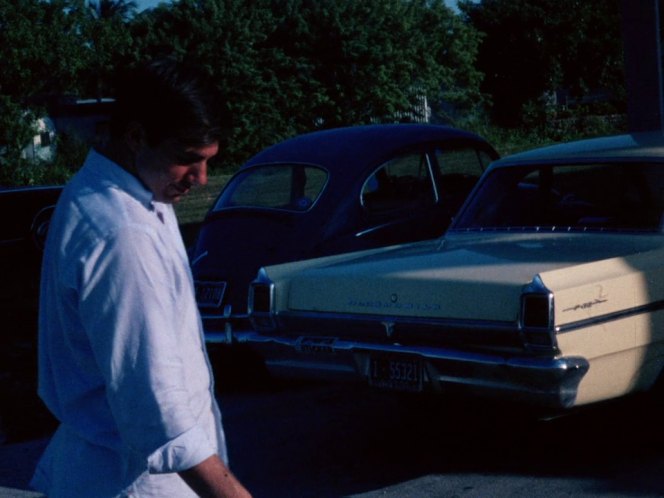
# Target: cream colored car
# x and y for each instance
(547, 288)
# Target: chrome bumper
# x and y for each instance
(220, 329)
(546, 382)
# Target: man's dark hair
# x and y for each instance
(170, 100)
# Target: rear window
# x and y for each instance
(569, 197)
(291, 187)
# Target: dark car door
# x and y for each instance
(26, 213)
(400, 202)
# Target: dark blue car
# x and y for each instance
(329, 192)
(26, 213)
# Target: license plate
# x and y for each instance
(210, 294)
(394, 372)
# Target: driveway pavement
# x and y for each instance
(324, 441)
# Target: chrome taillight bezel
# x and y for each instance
(261, 302)
(537, 318)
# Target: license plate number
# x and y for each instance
(210, 294)
(391, 372)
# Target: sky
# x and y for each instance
(148, 4)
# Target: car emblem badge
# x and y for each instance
(389, 328)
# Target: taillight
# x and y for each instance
(261, 302)
(537, 317)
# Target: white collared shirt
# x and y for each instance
(122, 362)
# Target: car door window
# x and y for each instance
(402, 183)
(293, 187)
(460, 169)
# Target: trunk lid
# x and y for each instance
(465, 276)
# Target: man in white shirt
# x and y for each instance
(122, 361)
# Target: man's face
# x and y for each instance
(170, 169)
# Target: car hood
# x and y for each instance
(460, 277)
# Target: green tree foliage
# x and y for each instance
(225, 38)
(42, 53)
(359, 62)
(16, 130)
(108, 35)
(42, 50)
(283, 67)
(534, 47)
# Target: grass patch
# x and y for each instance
(192, 207)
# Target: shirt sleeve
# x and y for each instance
(181, 453)
(129, 293)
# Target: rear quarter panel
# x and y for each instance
(609, 312)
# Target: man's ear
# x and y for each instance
(134, 136)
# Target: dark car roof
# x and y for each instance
(343, 149)
(628, 147)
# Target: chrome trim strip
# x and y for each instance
(199, 258)
(208, 316)
(536, 286)
(456, 323)
(608, 317)
(362, 233)
(436, 193)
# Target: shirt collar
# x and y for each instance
(115, 175)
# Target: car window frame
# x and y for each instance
(430, 175)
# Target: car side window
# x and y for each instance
(401, 183)
(460, 168)
(292, 187)
(462, 161)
